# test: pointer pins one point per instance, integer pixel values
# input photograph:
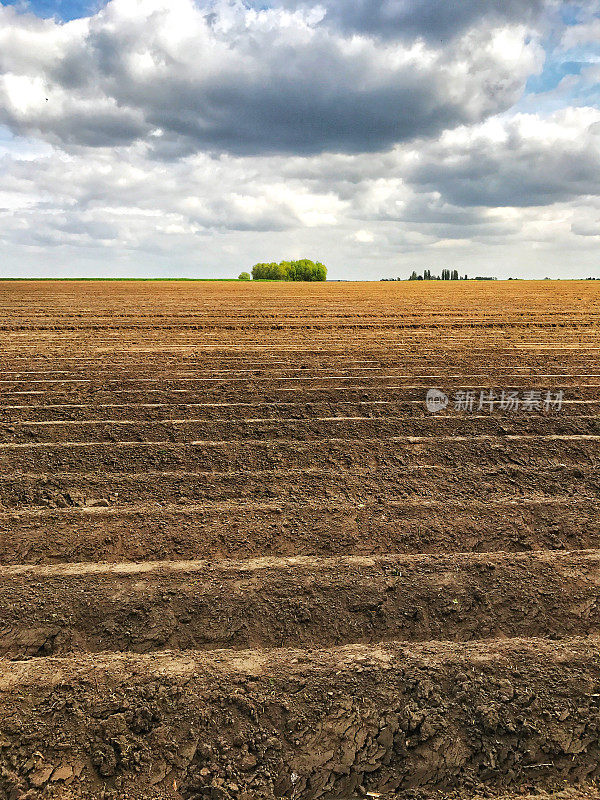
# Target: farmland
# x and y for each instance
(241, 559)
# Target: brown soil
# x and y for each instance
(323, 723)
(241, 560)
(273, 602)
(190, 530)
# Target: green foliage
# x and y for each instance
(268, 272)
(244, 276)
(302, 270)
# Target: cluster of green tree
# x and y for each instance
(302, 270)
(447, 275)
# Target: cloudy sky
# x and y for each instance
(196, 137)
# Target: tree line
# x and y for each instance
(447, 275)
(302, 270)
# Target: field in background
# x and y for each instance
(240, 559)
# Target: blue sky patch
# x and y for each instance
(62, 9)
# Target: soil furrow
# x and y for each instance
(295, 602)
(323, 723)
(254, 527)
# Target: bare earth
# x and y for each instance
(239, 558)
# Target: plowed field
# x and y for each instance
(240, 559)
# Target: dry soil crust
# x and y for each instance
(298, 723)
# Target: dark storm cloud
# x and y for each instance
(212, 131)
(304, 117)
(520, 171)
(433, 20)
(245, 83)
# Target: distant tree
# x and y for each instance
(302, 270)
(454, 275)
(268, 272)
(244, 276)
(413, 276)
(305, 270)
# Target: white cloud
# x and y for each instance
(586, 33)
(425, 197)
(364, 237)
(527, 161)
(246, 81)
(194, 138)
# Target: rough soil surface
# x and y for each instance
(239, 558)
(302, 601)
(325, 723)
